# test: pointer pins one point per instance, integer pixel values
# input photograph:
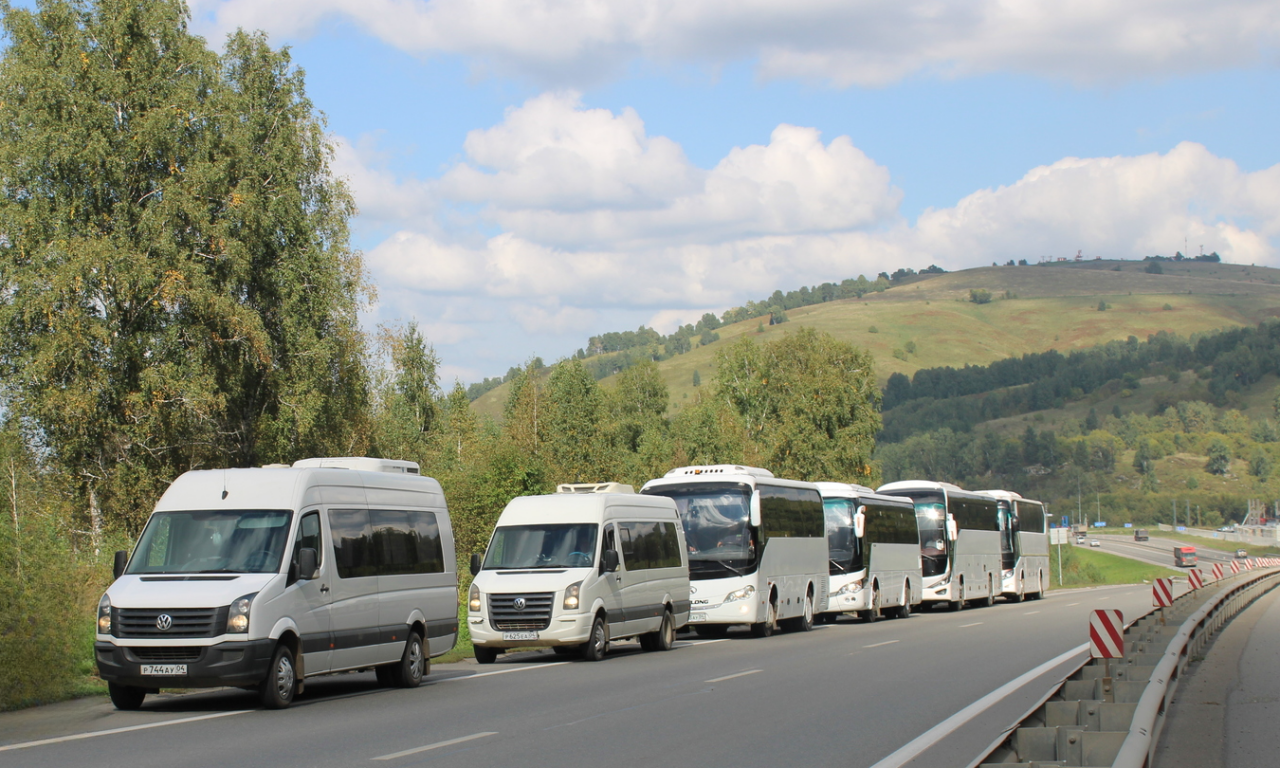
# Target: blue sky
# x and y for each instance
(532, 172)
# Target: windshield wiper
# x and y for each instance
(720, 563)
(841, 567)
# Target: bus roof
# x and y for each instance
(919, 485)
(859, 492)
(718, 469)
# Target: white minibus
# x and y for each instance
(264, 577)
(1024, 545)
(757, 547)
(874, 549)
(576, 569)
(959, 542)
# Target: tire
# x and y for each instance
(904, 611)
(872, 614)
(767, 627)
(990, 599)
(485, 655)
(126, 697)
(597, 644)
(804, 622)
(665, 637)
(413, 665)
(958, 605)
(711, 630)
(276, 691)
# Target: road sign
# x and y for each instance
(1162, 593)
(1194, 576)
(1235, 567)
(1217, 571)
(1106, 635)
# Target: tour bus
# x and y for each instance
(757, 547)
(959, 541)
(264, 577)
(575, 569)
(873, 546)
(1184, 557)
(1024, 546)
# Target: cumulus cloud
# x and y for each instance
(846, 42)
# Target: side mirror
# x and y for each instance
(860, 522)
(609, 560)
(475, 563)
(952, 531)
(122, 561)
(307, 565)
(755, 509)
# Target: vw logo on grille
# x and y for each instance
(164, 622)
(519, 603)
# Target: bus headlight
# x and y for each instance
(571, 594)
(473, 599)
(740, 594)
(104, 616)
(851, 587)
(238, 616)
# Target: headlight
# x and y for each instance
(104, 616)
(238, 616)
(851, 587)
(473, 600)
(740, 594)
(571, 594)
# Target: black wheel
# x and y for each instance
(803, 622)
(872, 614)
(958, 605)
(767, 627)
(485, 655)
(126, 697)
(597, 644)
(711, 630)
(276, 692)
(664, 638)
(904, 611)
(414, 664)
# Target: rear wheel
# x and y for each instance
(597, 644)
(276, 692)
(803, 622)
(486, 655)
(767, 627)
(126, 697)
(413, 665)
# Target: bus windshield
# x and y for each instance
(551, 545)
(222, 541)
(843, 547)
(931, 518)
(717, 527)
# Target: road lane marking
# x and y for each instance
(974, 624)
(1104, 598)
(730, 677)
(702, 642)
(877, 645)
(126, 729)
(1071, 604)
(937, 733)
(505, 671)
(437, 745)
(1030, 613)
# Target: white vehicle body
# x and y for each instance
(1024, 545)
(873, 546)
(959, 541)
(757, 546)
(543, 581)
(222, 543)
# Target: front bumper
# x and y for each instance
(564, 630)
(231, 664)
(848, 602)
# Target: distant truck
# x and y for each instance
(1184, 557)
(1141, 535)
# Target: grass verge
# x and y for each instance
(1083, 567)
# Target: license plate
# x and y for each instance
(697, 617)
(519, 635)
(164, 670)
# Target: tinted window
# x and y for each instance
(386, 542)
(791, 512)
(222, 541)
(890, 525)
(975, 514)
(353, 550)
(844, 549)
(1030, 517)
(649, 545)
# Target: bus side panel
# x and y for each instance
(1033, 566)
(977, 560)
(892, 565)
(791, 565)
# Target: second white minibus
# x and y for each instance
(874, 548)
(1024, 544)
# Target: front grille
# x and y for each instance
(535, 616)
(186, 622)
(167, 653)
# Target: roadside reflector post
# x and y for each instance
(1162, 596)
(1106, 642)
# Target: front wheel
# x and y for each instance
(958, 605)
(904, 610)
(597, 644)
(413, 666)
(872, 614)
(804, 622)
(767, 627)
(126, 697)
(486, 655)
(276, 692)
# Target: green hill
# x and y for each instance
(1048, 307)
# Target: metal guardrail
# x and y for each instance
(1100, 722)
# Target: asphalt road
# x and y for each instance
(850, 694)
(1158, 551)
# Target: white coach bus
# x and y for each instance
(1024, 546)
(757, 547)
(873, 546)
(959, 541)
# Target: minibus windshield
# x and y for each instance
(221, 541)
(550, 545)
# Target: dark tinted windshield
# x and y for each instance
(551, 545)
(931, 518)
(228, 541)
(716, 519)
(843, 547)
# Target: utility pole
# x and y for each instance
(1175, 514)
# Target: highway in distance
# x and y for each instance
(849, 694)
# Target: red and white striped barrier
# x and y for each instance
(1217, 571)
(1106, 635)
(1162, 593)
(1197, 580)
(1235, 567)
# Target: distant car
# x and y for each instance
(1095, 543)
(1226, 529)
(1242, 553)
(1080, 539)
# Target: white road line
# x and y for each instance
(1030, 613)
(505, 671)
(945, 728)
(701, 642)
(1071, 604)
(92, 734)
(974, 624)
(437, 745)
(877, 645)
(730, 677)
(1104, 598)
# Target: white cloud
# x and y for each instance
(382, 196)
(844, 42)
(553, 319)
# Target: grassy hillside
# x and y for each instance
(1052, 307)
